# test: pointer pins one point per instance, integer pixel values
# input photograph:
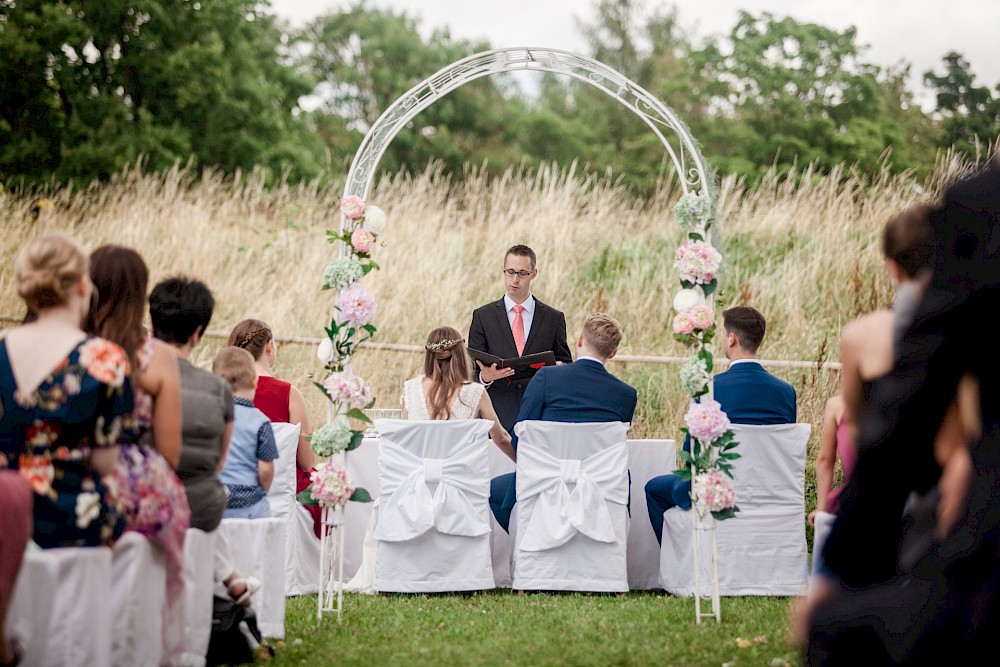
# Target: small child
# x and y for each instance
(249, 466)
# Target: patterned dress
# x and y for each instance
(152, 498)
(84, 403)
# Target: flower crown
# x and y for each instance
(443, 345)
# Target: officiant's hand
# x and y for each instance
(491, 373)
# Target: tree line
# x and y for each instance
(88, 86)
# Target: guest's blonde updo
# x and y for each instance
(47, 269)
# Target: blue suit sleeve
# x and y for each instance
(532, 403)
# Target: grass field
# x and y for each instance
(501, 628)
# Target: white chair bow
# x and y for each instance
(570, 523)
(560, 513)
(409, 508)
(433, 531)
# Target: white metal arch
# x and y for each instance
(686, 157)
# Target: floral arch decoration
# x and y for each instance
(697, 261)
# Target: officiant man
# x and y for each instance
(516, 325)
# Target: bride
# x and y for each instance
(445, 392)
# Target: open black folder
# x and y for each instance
(524, 367)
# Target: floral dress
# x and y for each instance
(152, 499)
(48, 433)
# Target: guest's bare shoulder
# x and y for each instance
(866, 344)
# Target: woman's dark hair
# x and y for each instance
(120, 279)
(178, 306)
(252, 335)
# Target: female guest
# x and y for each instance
(444, 390)
(280, 401)
(63, 398)
(143, 481)
(180, 310)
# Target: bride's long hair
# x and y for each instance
(446, 363)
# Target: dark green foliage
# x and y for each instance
(90, 86)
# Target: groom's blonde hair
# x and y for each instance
(602, 333)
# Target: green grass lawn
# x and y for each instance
(501, 628)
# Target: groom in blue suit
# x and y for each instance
(747, 393)
(583, 391)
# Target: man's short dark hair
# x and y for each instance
(520, 251)
(748, 325)
(178, 306)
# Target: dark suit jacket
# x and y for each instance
(749, 394)
(583, 391)
(490, 332)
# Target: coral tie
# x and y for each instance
(518, 330)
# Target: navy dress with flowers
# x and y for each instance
(81, 405)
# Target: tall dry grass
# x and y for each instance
(804, 251)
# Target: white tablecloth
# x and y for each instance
(647, 459)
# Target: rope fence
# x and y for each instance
(6, 320)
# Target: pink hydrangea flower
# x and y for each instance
(348, 387)
(683, 324)
(362, 240)
(352, 207)
(706, 421)
(331, 485)
(697, 262)
(702, 316)
(357, 305)
(714, 491)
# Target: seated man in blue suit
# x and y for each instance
(747, 393)
(583, 391)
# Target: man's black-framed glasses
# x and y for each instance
(510, 273)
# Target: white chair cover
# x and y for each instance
(59, 609)
(199, 578)
(281, 496)
(571, 521)
(433, 528)
(138, 603)
(762, 551)
(257, 547)
(302, 548)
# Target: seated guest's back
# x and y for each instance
(249, 467)
(180, 310)
(747, 393)
(64, 397)
(580, 392)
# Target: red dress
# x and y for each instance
(272, 399)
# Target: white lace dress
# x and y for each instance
(463, 406)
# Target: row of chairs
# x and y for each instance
(570, 525)
(98, 606)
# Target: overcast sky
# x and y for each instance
(917, 31)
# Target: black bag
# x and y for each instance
(229, 644)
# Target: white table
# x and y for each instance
(647, 459)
